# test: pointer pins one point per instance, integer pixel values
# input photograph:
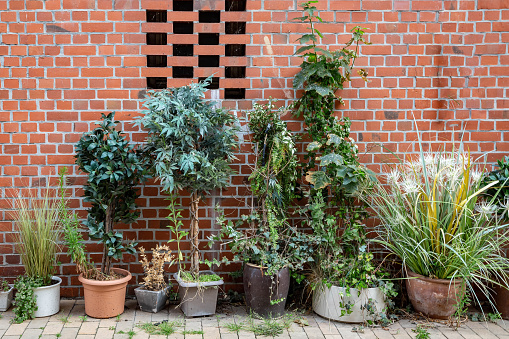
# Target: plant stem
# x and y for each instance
(108, 227)
(195, 228)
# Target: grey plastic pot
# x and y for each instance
(48, 298)
(198, 299)
(151, 301)
(6, 299)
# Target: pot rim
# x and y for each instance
(412, 275)
(352, 288)
(182, 283)
(125, 279)
(58, 279)
(9, 291)
(263, 267)
(142, 288)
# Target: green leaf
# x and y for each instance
(313, 146)
(318, 178)
(331, 158)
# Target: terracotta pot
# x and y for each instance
(501, 297)
(260, 289)
(105, 299)
(435, 298)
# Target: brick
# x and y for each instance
(492, 4)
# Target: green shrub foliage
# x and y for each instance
(114, 167)
(192, 143)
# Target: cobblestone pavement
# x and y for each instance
(70, 323)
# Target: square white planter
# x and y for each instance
(6, 299)
(198, 299)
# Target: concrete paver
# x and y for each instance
(69, 323)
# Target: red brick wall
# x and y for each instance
(63, 62)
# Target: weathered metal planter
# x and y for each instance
(152, 301)
(435, 298)
(198, 299)
(266, 295)
(331, 303)
(6, 299)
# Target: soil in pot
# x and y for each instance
(435, 298)
(151, 301)
(331, 303)
(105, 299)
(198, 299)
(266, 295)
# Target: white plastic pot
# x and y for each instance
(198, 299)
(48, 299)
(327, 303)
(6, 299)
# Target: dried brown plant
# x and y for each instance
(154, 269)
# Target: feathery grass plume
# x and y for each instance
(433, 217)
(39, 231)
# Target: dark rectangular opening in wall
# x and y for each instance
(209, 16)
(235, 27)
(235, 50)
(208, 38)
(183, 27)
(234, 93)
(183, 50)
(235, 72)
(183, 5)
(235, 5)
(157, 38)
(157, 61)
(214, 84)
(208, 61)
(157, 16)
(182, 72)
(157, 82)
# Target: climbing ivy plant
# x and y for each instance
(192, 143)
(114, 167)
(332, 168)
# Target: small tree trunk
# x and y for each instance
(194, 232)
(108, 227)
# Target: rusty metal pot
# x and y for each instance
(266, 295)
(435, 298)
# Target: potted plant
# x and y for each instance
(154, 293)
(114, 168)
(37, 241)
(6, 294)
(347, 285)
(449, 240)
(498, 195)
(265, 241)
(192, 144)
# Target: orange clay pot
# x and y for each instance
(105, 299)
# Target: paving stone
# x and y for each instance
(88, 327)
(38, 323)
(16, 329)
(31, 333)
(69, 332)
(53, 327)
(86, 336)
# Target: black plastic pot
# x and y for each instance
(261, 289)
